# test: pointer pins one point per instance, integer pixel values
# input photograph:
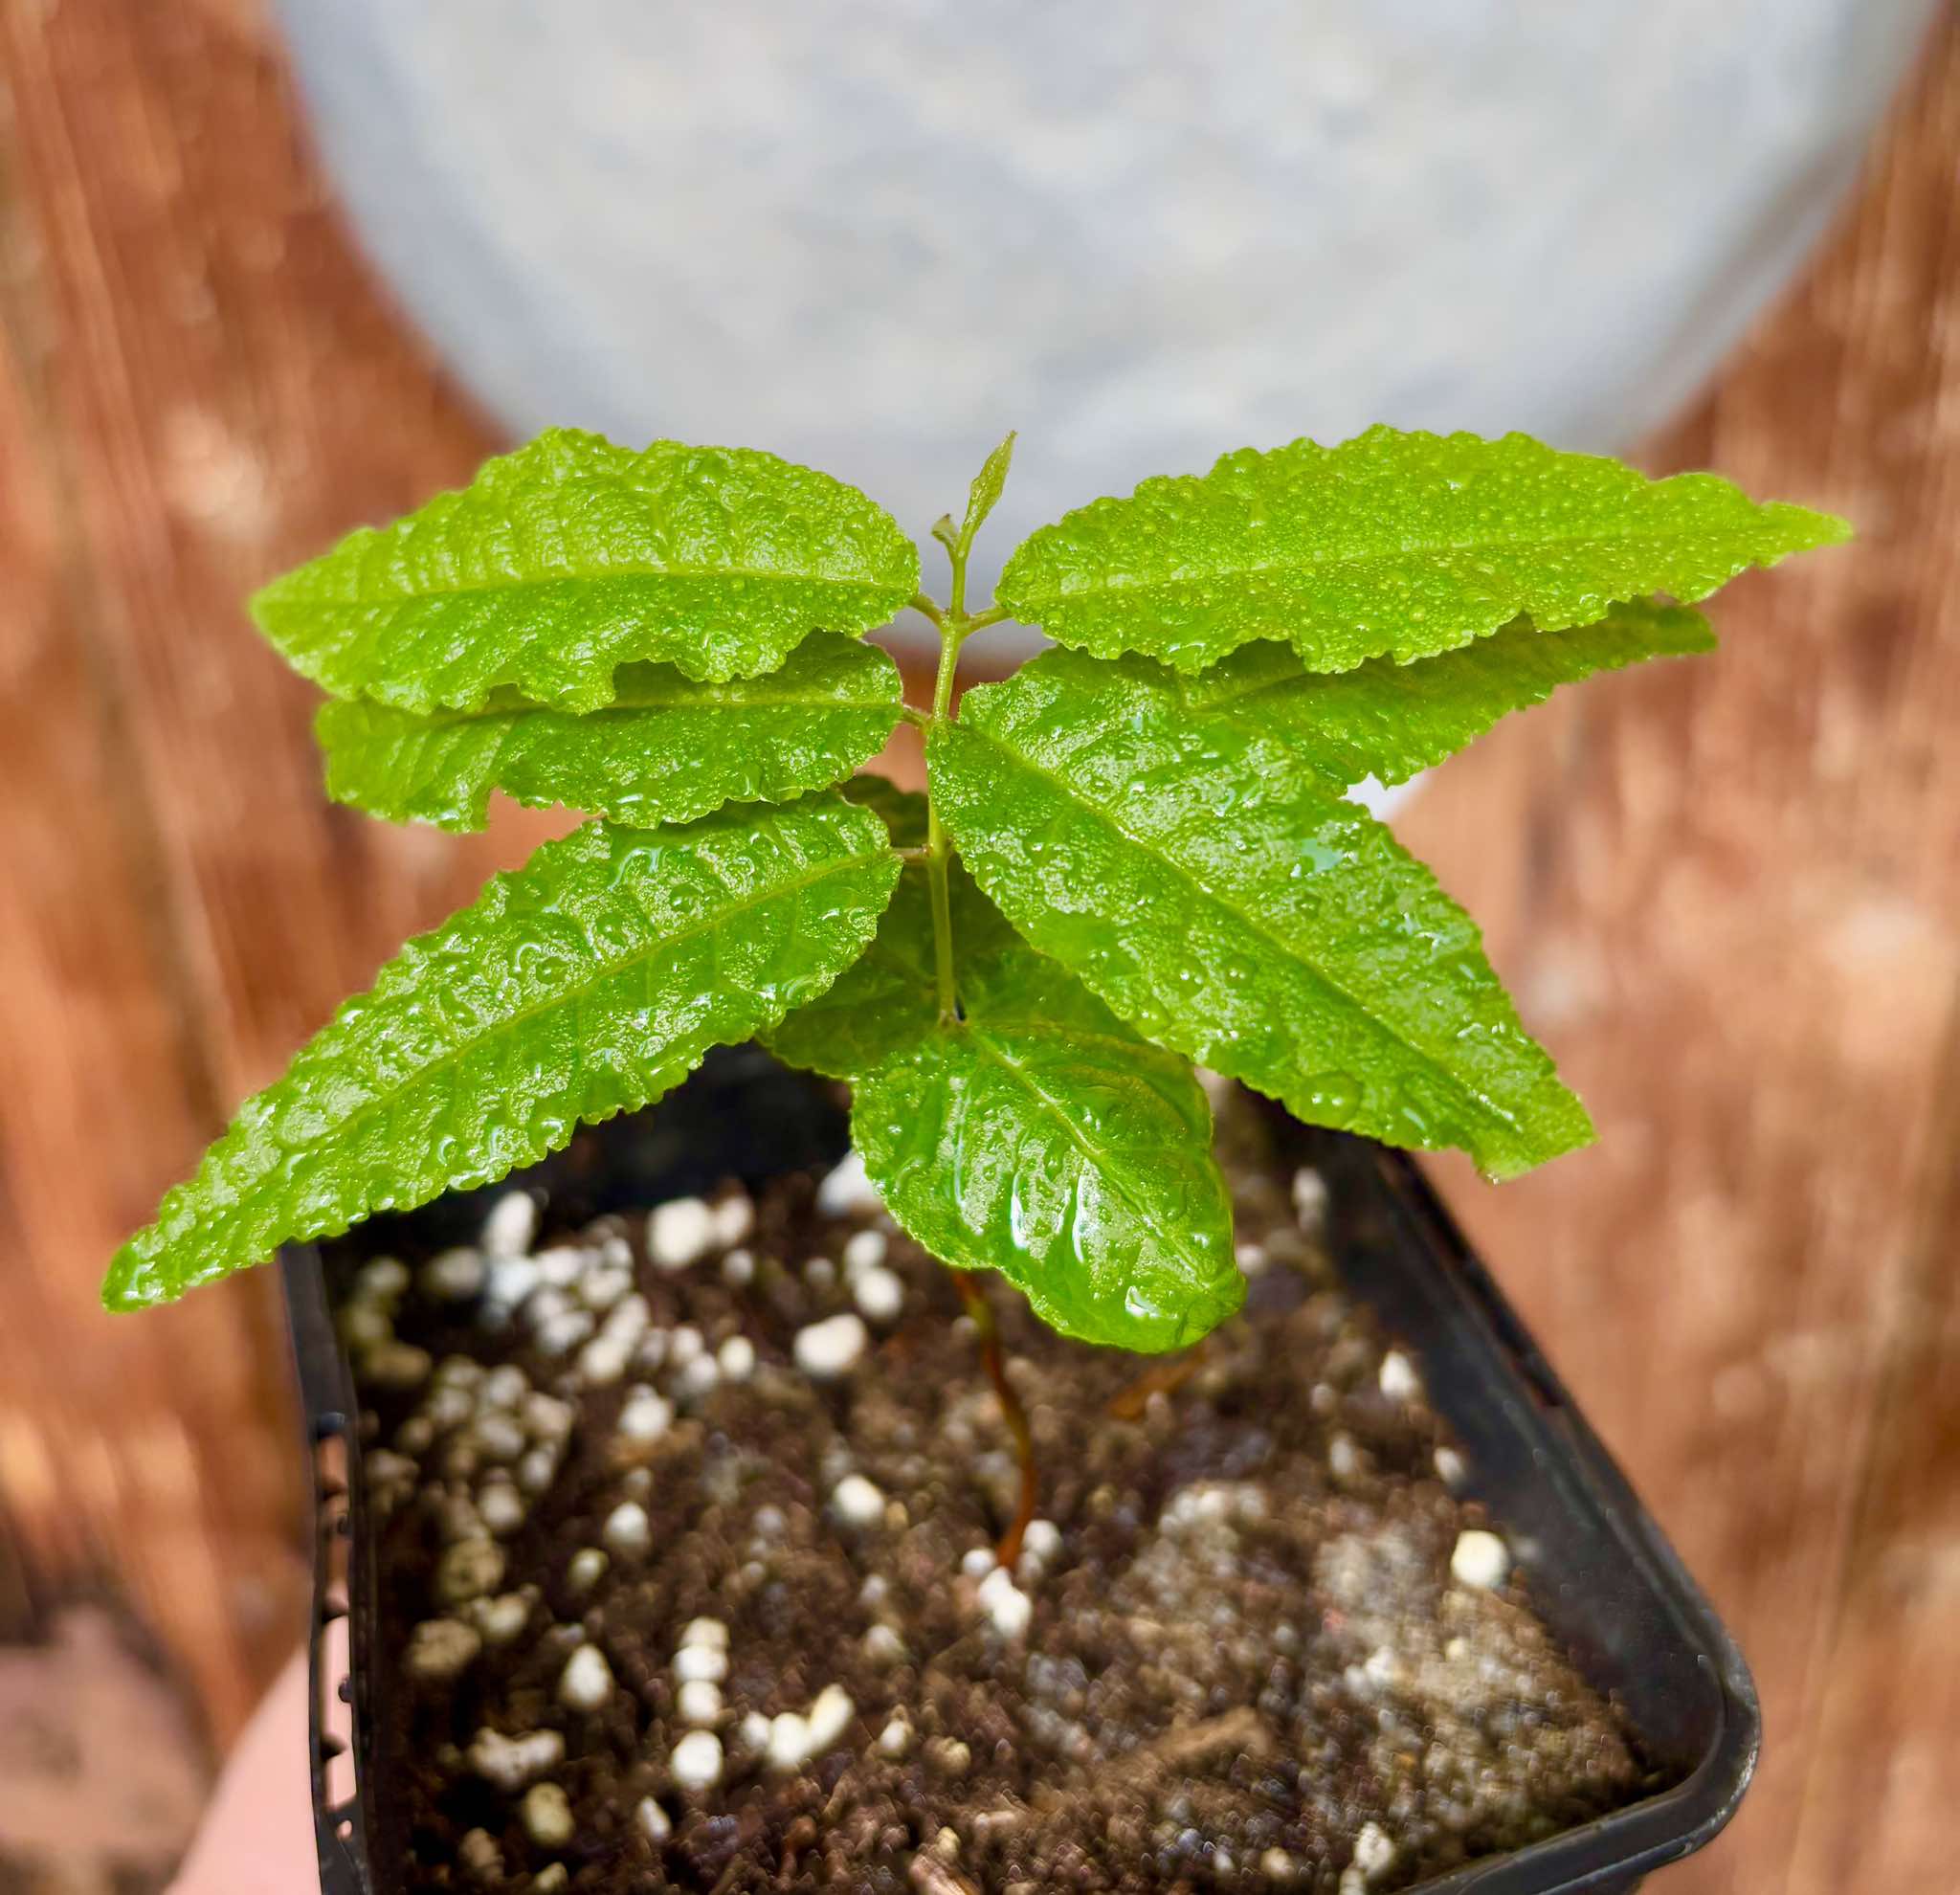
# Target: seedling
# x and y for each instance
(1135, 854)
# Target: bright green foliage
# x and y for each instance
(571, 557)
(588, 983)
(986, 491)
(1229, 903)
(1388, 721)
(1039, 1137)
(665, 749)
(887, 1002)
(1138, 852)
(1397, 545)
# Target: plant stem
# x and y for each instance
(1008, 1551)
(938, 875)
(953, 633)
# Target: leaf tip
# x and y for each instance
(132, 1281)
(1567, 1127)
(1817, 529)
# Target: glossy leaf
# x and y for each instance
(1388, 721)
(1229, 903)
(585, 984)
(889, 997)
(562, 562)
(984, 493)
(1040, 1138)
(1396, 544)
(666, 750)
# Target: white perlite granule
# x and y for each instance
(847, 1189)
(468, 1570)
(453, 1276)
(512, 1762)
(795, 1738)
(587, 1681)
(1479, 1559)
(646, 1416)
(547, 1812)
(511, 1225)
(1374, 1854)
(441, 1648)
(603, 1360)
(830, 1717)
(1397, 1378)
(863, 1250)
(482, 1859)
(734, 1219)
(832, 1348)
(857, 1502)
(710, 1662)
(1310, 1198)
(697, 1760)
(679, 1233)
(626, 1529)
(879, 1294)
(1006, 1605)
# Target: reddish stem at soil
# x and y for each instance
(1008, 1551)
(1166, 1378)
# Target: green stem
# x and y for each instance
(955, 627)
(938, 844)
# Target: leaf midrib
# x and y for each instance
(448, 717)
(1256, 926)
(1055, 1111)
(1411, 549)
(364, 600)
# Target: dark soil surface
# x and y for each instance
(715, 1580)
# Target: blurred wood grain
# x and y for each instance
(1728, 893)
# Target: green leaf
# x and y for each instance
(889, 997)
(1388, 721)
(1042, 1139)
(1396, 545)
(985, 490)
(666, 750)
(585, 984)
(1229, 903)
(571, 557)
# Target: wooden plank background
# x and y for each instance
(1728, 894)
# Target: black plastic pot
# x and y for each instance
(1601, 1574)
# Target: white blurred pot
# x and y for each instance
(874, 239)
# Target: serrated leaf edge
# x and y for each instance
(1315, 785)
